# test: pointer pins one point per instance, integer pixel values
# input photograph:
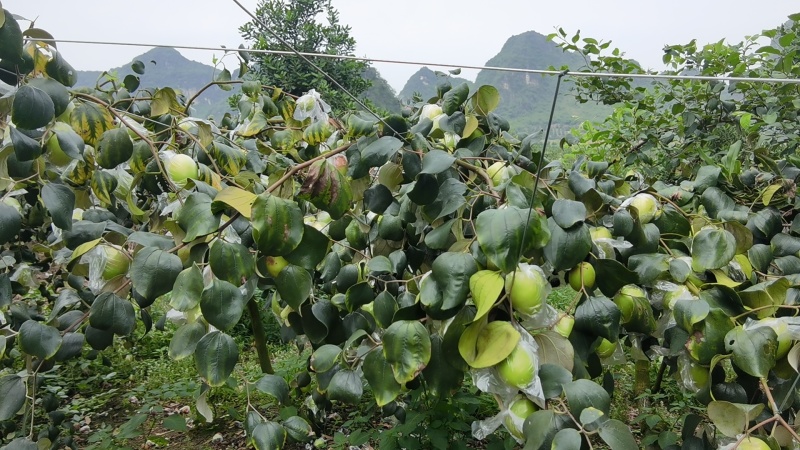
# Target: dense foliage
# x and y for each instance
(410, 253)
(297, 22)
(667, 127)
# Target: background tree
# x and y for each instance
(310, 26)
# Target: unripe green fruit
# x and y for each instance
(564, 325)
(753, 443)
(500, 172)
(518, 369)
(529, 289)
(355, 237)
(624, 300)
(520, 408)
(600, 233)
(700, 375)
(646, 205)
(275, 264)
(117, 262)
(582, 277)
(606, 348)
(180, 168)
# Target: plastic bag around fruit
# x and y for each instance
(108, 266)
(513, 412)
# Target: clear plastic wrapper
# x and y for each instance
(693, 376)
(107, 266)
(506, 381)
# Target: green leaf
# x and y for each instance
(500, 231)
(649, 267)
(10, 223)
(103, 185)
(712, 249)
(486, 287)
(567, 439)
(407, 348)
(312, 249)
(294, 285)
(540, 428)
(553, 378)
(277, 225)
(440, 378)
(319, 320)
(346, 387)
(187, 289)
(555, 349)
(60, 70)
(197, 218)
(583, 394)
(67, 140)
(378, 373)
(231, 262)
(275, 386)
(175, 423)
(445, 291)
(707, 176)
(12, 396)
(164, 101)
(566, 248)
(154, 271)
(598, 316)
(567, 213)
(617, 435)
(268, 436)
(115, 147)
(32, 108)
(732, 419)
(437, 161)
(236, 198)
(358, 295)
(11, 37)
(298, 429)
(753, 349)
(485, 344)
(216, 356)
(111, 313)
(324, 358)
(611, 275)
(184, 341)
(384, 307)
(222, 304)
(377, 154)
(454, 98)
(38, 339)
(90, 121)
(25, 148)
(327, 189)
(764, 295)
(60, 202)
(486, 99)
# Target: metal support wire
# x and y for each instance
(561, 75)
(306, 55)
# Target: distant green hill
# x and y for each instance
(526, 98)
(424, 82)
(380, 93)
(167, 67)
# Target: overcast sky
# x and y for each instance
(467, 32)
